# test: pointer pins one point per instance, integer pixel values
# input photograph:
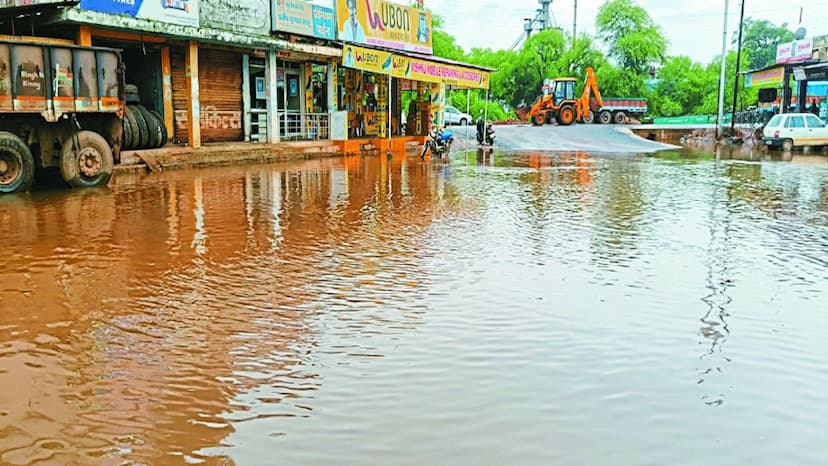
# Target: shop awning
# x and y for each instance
(416, 67)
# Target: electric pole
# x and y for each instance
(575, 23)
(720, 114)
(738, 66)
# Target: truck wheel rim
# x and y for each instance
(9, 168)
(90, 162)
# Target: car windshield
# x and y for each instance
(775, 121)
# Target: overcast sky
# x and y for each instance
(693, 27)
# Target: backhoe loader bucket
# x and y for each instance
(522, 111)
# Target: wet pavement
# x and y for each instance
(507, 308)
(595, 139)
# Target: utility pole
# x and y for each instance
(720, 114)
(575, 24)
(738, 66)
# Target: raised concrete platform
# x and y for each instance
(216, 154)
(674, 133)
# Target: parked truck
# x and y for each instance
(558, 103)
(61, 105)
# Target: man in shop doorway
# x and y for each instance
(349, 58)
(353, 30)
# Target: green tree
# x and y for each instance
(536, 61)
(634, 40)
(677, 89)
(444, 44)
(760, 38)
(709, 89)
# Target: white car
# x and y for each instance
(791, 130)
(456, 117)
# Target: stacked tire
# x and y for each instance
(143, 128)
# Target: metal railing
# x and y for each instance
(293, 126)
(303, 126)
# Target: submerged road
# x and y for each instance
(530, 308)
(589, 138)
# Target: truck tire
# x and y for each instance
(539, 119)
(619, 118)
(153, 130)
(605, 117)
(86, 160)
(128, 130)
(589, 118)
(164, 135)
(17, 168)
(141, 137)
(566, 115)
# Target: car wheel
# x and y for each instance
(787, 145)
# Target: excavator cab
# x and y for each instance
(563, 89)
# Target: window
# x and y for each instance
(795, 122)
(774, 122)
(814, 122)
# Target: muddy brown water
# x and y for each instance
(554, 309)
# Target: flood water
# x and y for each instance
(550, 309)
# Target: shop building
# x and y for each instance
(390, 89)
(212, 71)
(245, 70)
(798, 81)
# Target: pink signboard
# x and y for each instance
(795, 52)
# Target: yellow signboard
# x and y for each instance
(416, 69)
(375, 61)
(384, 24)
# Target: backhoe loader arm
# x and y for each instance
(590, 90)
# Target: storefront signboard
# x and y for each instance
(302, 17)
(384, 24)
(236, 16)
(181, 12)
(797, 51)
(416, 69)
(767, 78)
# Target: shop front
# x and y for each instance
(387, 99)
(390, 88)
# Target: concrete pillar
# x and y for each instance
(193, 105)
(438, 104)
(801, 96)
(246, 104)
(166, 89)
(272, 98)
(84, 35)
(786, 91)
(333, 85)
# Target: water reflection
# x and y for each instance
(354, 309)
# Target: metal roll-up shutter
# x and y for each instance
(220, 87)
(179, 86)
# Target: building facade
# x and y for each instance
(258, 70)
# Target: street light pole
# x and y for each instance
(720, 114)
(738, 66)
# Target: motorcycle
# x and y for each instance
(485, 133)
(438, 141)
